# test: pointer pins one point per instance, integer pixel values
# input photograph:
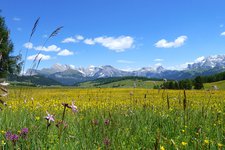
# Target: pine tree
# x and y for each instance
(8, 63)
(198, 83)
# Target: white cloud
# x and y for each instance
(16, 19)
(28, 45)
(75, 39)
(65, 52)
(158, 59)
(89, 41)
(118, 44)
(176, 43)
(222, 34)
(39, 56)
(125, 61)
(69, 40)
(51, 48)
(79, 37)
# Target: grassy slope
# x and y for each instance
(121, 84)
(219, 84)
(142, 84)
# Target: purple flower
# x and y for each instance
(14, 137)
(24, 133)
(11, 137)
(106, 141)
(49, 117)
(8, 135)
(74, 108)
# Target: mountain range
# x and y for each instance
(69, 75)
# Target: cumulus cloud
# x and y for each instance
(125, 61)
(158, 60)
(79, 37)
(75, 39)
(51, 48)
(39, 56)
(16, 19)
(69, 40)
(65, 52)
(89, 41)
(28, 45)
(176, 43)
(117, 44)
(222, 34)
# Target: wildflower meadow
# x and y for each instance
(132, 118)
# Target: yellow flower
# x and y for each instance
(183, 143)
(37, 118)
(220, 145)
(183, 131)
(162, 148)
(206, 142)
(3, 142)
(3, 132)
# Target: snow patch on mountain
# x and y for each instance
(208, 62)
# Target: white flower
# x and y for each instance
(4, 84)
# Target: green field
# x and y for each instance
(113, 118)
(128, 83)
(219, 84)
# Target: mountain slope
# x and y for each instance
(35, 80)
(68, 75)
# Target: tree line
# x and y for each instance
(188, 84)
(196, 83)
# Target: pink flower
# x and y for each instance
(107, 121)
(49, 117)
(74, 108)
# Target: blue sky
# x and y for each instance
(127, 34)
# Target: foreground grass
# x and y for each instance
(115, 119)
